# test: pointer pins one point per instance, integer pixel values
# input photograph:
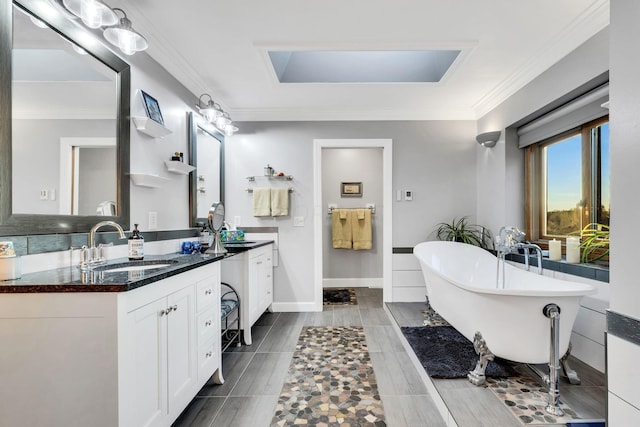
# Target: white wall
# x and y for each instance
(501, 169)
(624, 401)
(435, 159)
(352, 165)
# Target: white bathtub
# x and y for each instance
(461, 286)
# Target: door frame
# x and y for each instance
(319, 210)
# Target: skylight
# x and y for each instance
(407, 66)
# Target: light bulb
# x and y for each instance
(91, 13)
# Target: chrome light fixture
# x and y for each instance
(488, 139)
(94, 13)
(125, 37)
(214, 114)
(211, 111)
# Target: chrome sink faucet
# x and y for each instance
(92, 255)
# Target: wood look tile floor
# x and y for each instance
(254, 375)
(472, 406)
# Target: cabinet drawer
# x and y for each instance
(207, 325)
(207, 360)
(205, 294)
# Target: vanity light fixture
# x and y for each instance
(124, 36)
(94, 13)
(211, 111)
(214, 114)
(488, 139)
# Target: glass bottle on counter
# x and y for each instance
(136, 245)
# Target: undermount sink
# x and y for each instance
(136, 265)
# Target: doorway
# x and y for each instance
(383, 210)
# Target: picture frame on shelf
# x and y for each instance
(152, 107)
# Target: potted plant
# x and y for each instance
(594, 241)
(460, 230)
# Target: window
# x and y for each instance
(568, 181)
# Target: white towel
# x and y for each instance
(261, 201)
(279, 201)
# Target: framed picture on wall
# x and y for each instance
(152, 107)
(351, 189)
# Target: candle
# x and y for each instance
(573, 250)
(555, 251)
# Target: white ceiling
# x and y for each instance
(220, 47)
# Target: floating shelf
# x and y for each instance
(150, 127)
(276, 177)
(179, 167)
(148, 180)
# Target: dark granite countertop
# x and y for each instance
(71, 279)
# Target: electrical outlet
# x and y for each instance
(298, 221)
(153, 221)
(44, 194)
(408, 195)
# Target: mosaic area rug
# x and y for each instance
(330, 382)
(526, 399)
(333, 296)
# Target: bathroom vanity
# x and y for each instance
(251, 274)
(128, 348)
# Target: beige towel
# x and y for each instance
(262, 201)
(279, 201)
(361, 229)
(341, 229)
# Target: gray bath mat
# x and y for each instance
(446, 353)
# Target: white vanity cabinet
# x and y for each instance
(251, 274)
(128, 359)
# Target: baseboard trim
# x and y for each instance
(353, 283)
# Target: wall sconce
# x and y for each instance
(488, 139)
(97, 14)
(214, 114)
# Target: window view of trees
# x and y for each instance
(574, 180)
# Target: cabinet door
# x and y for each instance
(254, 277)
(147, 326)
(181, 348)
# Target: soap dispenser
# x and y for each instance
(136, 245)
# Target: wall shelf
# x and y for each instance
(270, 177)
(150, 127)
(148, 180)
(176, 166)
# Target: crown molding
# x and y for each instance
(591, 21)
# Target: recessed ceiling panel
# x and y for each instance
(407, 66)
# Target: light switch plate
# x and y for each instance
(153, 221)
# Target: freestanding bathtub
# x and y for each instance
(462, 288)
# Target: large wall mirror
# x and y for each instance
(64, 119)
(206, 153)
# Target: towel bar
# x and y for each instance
(250, 190)
(371, 208)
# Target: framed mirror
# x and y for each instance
(206, 153)
(64, 123)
